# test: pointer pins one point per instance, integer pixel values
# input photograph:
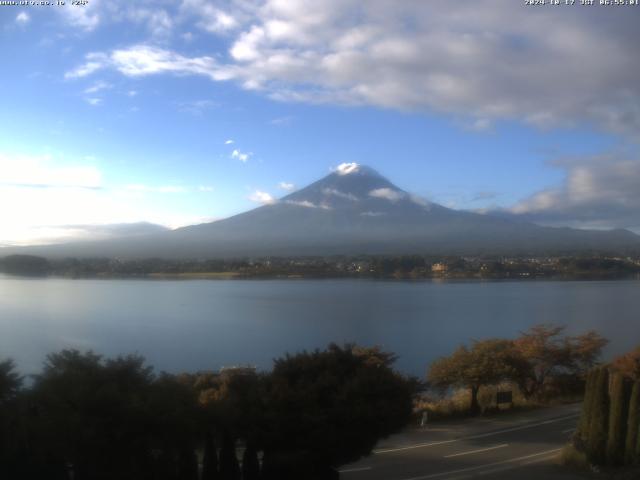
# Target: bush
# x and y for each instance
(570, 456)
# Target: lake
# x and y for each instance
(206, 324)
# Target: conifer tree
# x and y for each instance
(587, 405)
(597, 441)
(618, 411)
(633, 422)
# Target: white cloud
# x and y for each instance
(23, 18)
(387, 194)
(339, 194)
(95, 62)
(132, 93)
(347, 168)
(281, 121)
(308, 204)
(419, 200)
(93, 101)
(43, 172)
(205, 188)
(243, 157)
(228, 142)
(85, 17)
(143, 60)
(196, 107)
(601, 191)
(262, 197)
(49, 194)
(97, 86)
(372, 214)
(479, 61)
(288, 187)
(157, 21)
(210, 18)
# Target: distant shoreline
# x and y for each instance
(159, 276)
(402, 267)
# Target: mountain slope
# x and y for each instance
(354, 210)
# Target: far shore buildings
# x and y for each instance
(439, 268)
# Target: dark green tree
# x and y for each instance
(597, 441)
(12, 431)
(25, 265)
(633, 422)
(10, 381)
(327, 408)
(587, 405)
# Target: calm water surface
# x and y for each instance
(206, 324)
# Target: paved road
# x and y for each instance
(521, 446)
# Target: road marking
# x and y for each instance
(470, 452)
(359, 469)
(419, 445)
(474, 437)
(521, 427)
(494, 464)
(568, 430)
(538, 460)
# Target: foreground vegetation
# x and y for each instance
(541, 365)
(85, 417)
(609, 430)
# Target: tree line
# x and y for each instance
(374, 266)
(87, 417)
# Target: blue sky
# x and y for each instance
(132, 111)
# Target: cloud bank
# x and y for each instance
(598, 192)
(485, 60)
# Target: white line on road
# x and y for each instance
(494, 464)
(568, 430)
(474, 437)
(520, 427)
(470, 452)
(418, 445)
(359, 469)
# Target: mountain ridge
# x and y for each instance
(353, 210)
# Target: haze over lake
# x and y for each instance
(203, 324)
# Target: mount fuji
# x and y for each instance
(353, 210)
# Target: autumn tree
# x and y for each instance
(628, 364)
(549, 353)
(487, 362)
